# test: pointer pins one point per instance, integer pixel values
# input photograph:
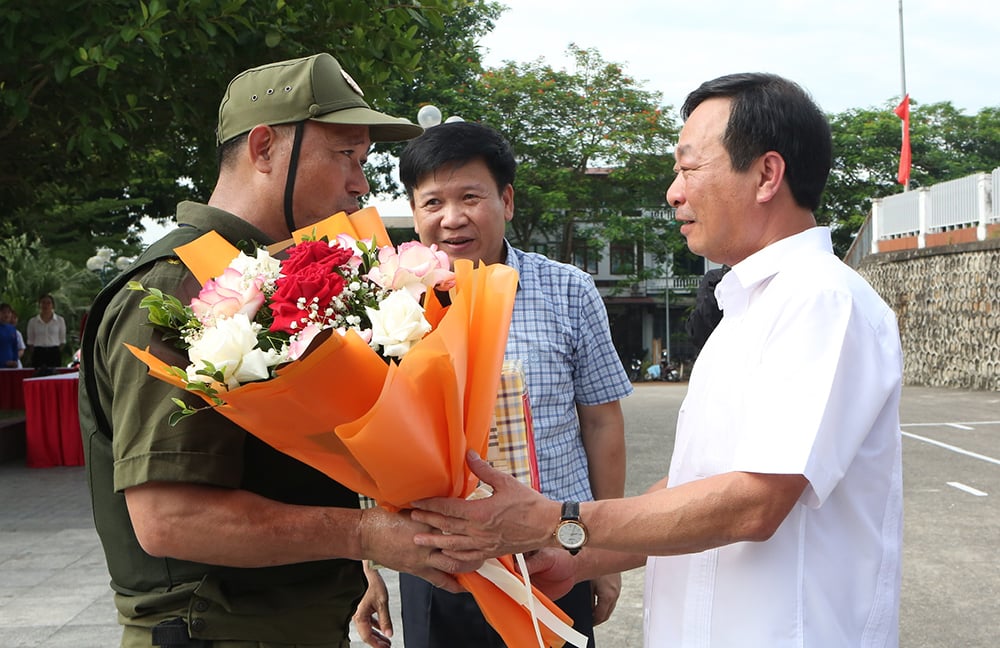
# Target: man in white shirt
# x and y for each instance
(780, 521)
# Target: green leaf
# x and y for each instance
(178, 416)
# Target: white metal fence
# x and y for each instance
(898, 215)
(972, 201)
(956, 203)
(995, 195)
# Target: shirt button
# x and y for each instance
(201, 606)
(197, 625)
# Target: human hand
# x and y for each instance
(388, 539)
(606, 589)
(372, 619)
(515, 519)
(553, 571)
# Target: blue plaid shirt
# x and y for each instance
(560, 332)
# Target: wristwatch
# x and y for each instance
(571, 532)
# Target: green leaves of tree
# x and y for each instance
(565, 124)
(109, 108)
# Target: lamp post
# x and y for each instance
(430, 115)
(666, 306)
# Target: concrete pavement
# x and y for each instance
(54, 585)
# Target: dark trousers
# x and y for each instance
(434, 618)
(46, 357)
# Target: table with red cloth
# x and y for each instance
(11, 392)
(51, 421)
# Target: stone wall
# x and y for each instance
(947, 300)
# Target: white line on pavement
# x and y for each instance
(968, 489)
(960, 426)
(953, 424)
(947, 446)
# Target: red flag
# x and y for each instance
(903, 112)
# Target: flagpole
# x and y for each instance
(902, 57)
(902, 71)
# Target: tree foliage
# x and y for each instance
(109, 108)
(593, 150)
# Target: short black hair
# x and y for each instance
(770, 113)
(458, 143)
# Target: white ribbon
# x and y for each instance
(494, 571)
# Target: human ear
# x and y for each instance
(770, 175)
(261, 146)
(508, 202)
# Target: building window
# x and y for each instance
(623, 258)
(541, 248)
(585, 258)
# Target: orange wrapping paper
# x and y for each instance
(396, 433)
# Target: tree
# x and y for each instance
(593, 150)
(946, 144)
(109, 108)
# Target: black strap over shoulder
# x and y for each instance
(161, 249)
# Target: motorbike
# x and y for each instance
(668, 371)
(635, 370)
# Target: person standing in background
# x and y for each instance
(459, 178)
(20, 339)
(706, 314)
(9, 354)
(46, 334)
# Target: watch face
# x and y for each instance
(571, 535)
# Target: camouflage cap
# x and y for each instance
(314, 87)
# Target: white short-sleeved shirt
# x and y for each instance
(47, 334)
(802, 376)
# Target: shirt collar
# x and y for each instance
(733, 293)
(231, 227)
(512, 260)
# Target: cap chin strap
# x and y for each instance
(293, 165)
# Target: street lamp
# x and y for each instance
(430, 115)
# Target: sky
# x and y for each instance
(846, 53)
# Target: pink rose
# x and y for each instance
(414, 266)
(227, 295)
(350, 243)
(300, 342)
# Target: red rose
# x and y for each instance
(311, 272)
(310, 253)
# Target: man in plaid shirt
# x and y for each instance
(459, 178)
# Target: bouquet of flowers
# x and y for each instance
(262, 312)
(270, 336)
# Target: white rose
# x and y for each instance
(398, 323)
(231, 345)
